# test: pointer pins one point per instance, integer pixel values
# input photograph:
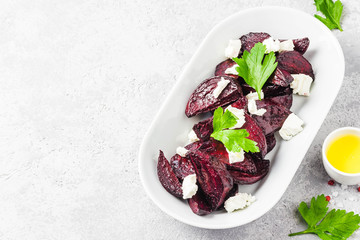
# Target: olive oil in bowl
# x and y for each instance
(343, 153)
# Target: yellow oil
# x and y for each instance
(344, 153)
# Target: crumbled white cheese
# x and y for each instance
(291, 127)
(239, 201)
(235, 157)
(255, 96)
(271, 45)
(335, 194)
(189, 186)
(232, 70)
(253, 108)
(221, 85)
(344, 187)
(240, 114)
(181, 151)
(233, 48)
(287, 45)
(192, 137)
(301, 84)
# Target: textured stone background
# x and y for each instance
(81, 81)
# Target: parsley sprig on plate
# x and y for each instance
(256, 67)
(233, 139)
(335, 225)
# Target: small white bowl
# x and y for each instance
(337, 175)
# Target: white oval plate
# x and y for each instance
(170, 127)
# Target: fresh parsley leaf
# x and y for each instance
(332, 12)
(223, 120)
(336, 225)
(233, 139)
(316, 212)
(254, 68)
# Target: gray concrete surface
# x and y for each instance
(80, 83)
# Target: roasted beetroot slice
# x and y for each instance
(281, 78)
(301, 44)
(270, 90)
(271, 142)
(247, 166)
(212, 176)
(294, 63)
(181, 166)
(167, 176)
(255, 133)
(273, 118)
(221, 68)
(249, 40)
(204, 129)
(193, 146)
(202, 99)
(246, 178)
(215, 149)
(199, 205)
(241, 103)
(285, 100)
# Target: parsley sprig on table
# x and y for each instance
(335, 225)
(332, 12)
(233, 139)
(254, 68)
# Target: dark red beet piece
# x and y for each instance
(246, 178)
(181, 166)
(199, 205)
(273, 118)
(294, 63)
(301, 44)
(255, 133)
(202, 99)
(215, 149)
(204, 129)
(193, 146)
(281, 78)
(285, 100)
(271, 142)
(241, 103)
(247, 166)
(212, 177)
(167, 176)
(270, 90)
(249, 40)
(221, 68)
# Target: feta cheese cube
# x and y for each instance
(232, 70)
(181, 151)
(301, 84)
(239, 201)
(253, 108)
(235, 157)
(189, 186)
(233, 48)
(221, 85)
(271, 45)
(287, 45)
(255, 96)
(192, 137)
(291, 127)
